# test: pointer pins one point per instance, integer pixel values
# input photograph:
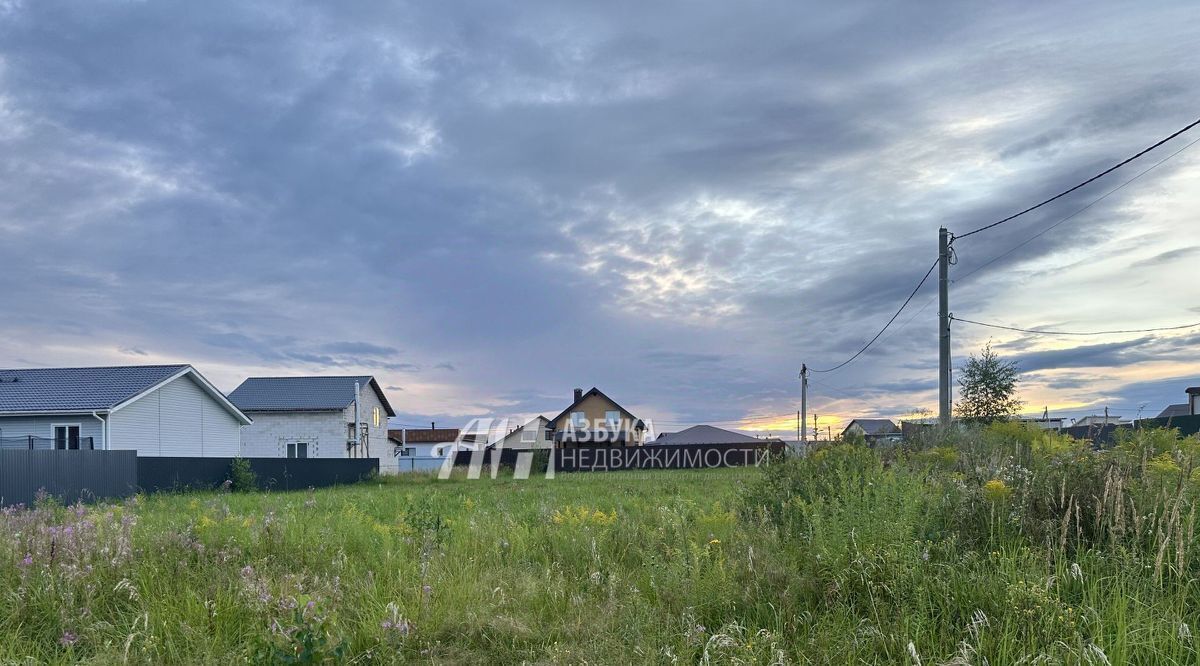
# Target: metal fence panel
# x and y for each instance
(175, 473)
(69, 475)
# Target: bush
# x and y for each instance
(242, 479)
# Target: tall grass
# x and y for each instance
(1000, 545)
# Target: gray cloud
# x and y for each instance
(679, 203)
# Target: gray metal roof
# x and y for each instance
(704, 434)
(872, 427)
(302, 394)
(1182, 409)
(35, 390)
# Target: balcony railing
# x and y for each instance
(45, 443)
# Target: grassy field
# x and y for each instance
(993, 547)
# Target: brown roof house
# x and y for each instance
(594, 419)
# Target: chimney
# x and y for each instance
(578, 394)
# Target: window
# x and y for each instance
(297, 449)
(375, 416)
(578, 420)
(612, 419)
(66, 436)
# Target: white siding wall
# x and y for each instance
(177, 419)
(268, 436)
(41, 426)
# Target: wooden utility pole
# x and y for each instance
(944, 327)
(803, 400)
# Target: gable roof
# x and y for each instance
(705, 434)
(95, 389)
(303, 394)
(637, 423)
(874, 427)
(1182, 409)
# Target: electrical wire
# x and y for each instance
(1094, 178)
(885, 326)
(1095, 201)
(1037, 332)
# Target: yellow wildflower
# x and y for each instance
(996, 490)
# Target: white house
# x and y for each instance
(156, 410)
(536, 434)
(314, 417)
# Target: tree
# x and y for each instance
(989, 387)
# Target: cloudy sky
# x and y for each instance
(488, 204)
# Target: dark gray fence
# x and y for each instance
(69, 475)
(1106, 435)
(166, 474)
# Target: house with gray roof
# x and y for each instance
(874, 430)
(156, 410)
(703, 434)
(316, 417)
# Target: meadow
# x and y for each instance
(997, 545)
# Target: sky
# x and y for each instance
(486, 205)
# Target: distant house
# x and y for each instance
(704, 434)
(1045, 423)
(1189, 408)
(533, 435)
(433, 442)
(874, 430)
(1099, 420)
(315, 417)
(1181, 409)
(594, 419)
(156, 410)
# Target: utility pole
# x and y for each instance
(816, 429)
(803, 400)
(944, 327)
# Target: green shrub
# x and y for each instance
(242, 478)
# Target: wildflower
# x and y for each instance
(28, 561)
(912, 652)
(1076, 571)
(1185, 632)
(396, 623)
(714, 542)
(996, 490)
(68, 639)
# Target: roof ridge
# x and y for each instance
(312, 377)
(101, 367)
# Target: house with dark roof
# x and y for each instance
(316, 417)
(434, 442)
(1189, 408)
(704, 434)
(874, 430)
(156, 410)
(594, 419)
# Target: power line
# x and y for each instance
(885, 326)
(1095, 201)
(1037, 332)
(1094, 178)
